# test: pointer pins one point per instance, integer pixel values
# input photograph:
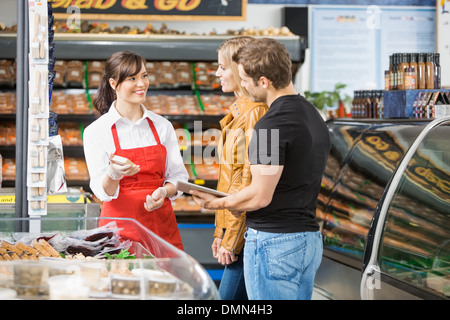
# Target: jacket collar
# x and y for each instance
(240, 106)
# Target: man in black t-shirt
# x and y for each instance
(288, 153)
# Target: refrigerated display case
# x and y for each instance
(378, 246)
(116, 259)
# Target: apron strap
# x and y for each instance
(115, 137)
(155, 133)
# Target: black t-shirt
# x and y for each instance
(293, 134)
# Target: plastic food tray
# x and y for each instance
(159, 271)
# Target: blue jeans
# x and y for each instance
(281, 266)
(232, 285)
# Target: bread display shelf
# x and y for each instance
(153, 48)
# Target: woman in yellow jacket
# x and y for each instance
(234, 173)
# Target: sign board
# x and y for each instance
(352, 44)
(151, 9)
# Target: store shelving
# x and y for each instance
(87, 47)
(153, 47)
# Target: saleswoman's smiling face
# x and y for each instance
(133, 89)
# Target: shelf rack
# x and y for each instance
(154, 47)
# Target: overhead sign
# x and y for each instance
(151, 9)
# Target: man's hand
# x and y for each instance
(206, 200)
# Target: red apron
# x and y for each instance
(134, 190)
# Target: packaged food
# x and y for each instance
(125, 285)
(121, 160)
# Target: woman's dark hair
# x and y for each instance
(119, 66)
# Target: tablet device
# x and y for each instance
(186, 187)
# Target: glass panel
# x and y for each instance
(361, 183)
(415, 246)
(159, 270)
(343, 136)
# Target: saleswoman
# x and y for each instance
(141, 190)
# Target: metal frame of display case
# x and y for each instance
(370, 267)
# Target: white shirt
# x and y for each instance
(99, 144)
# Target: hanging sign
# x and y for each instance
(151, 9)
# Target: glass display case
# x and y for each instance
(384, 210)
(99, 258)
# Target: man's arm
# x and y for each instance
(256, 196)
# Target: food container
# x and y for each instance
(67, 287)
(30, 280)
(7, 294)
(157, 283)
(125, 286)
(151, 269)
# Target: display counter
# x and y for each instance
(102, 259)
(384, 210)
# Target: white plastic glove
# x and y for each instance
(156, 200)
(116, 171)
(159, 193)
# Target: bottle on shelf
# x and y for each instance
(375, 104)
(413, 66)
(437, 72)
(429, 71)
(386, 80)
(391, 72)
(395, 72)
(356, 104)
(380, 111)
(410, 79)
(367, 104)
(404, 63)
(421, 75)
(354, 101)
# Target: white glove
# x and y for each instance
(116, 171)
(156, 200)
(159, 193)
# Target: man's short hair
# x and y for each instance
(266, 57)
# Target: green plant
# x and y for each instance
(324, 99)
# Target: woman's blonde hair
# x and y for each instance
(227, 49)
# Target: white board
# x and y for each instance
(352, 44)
